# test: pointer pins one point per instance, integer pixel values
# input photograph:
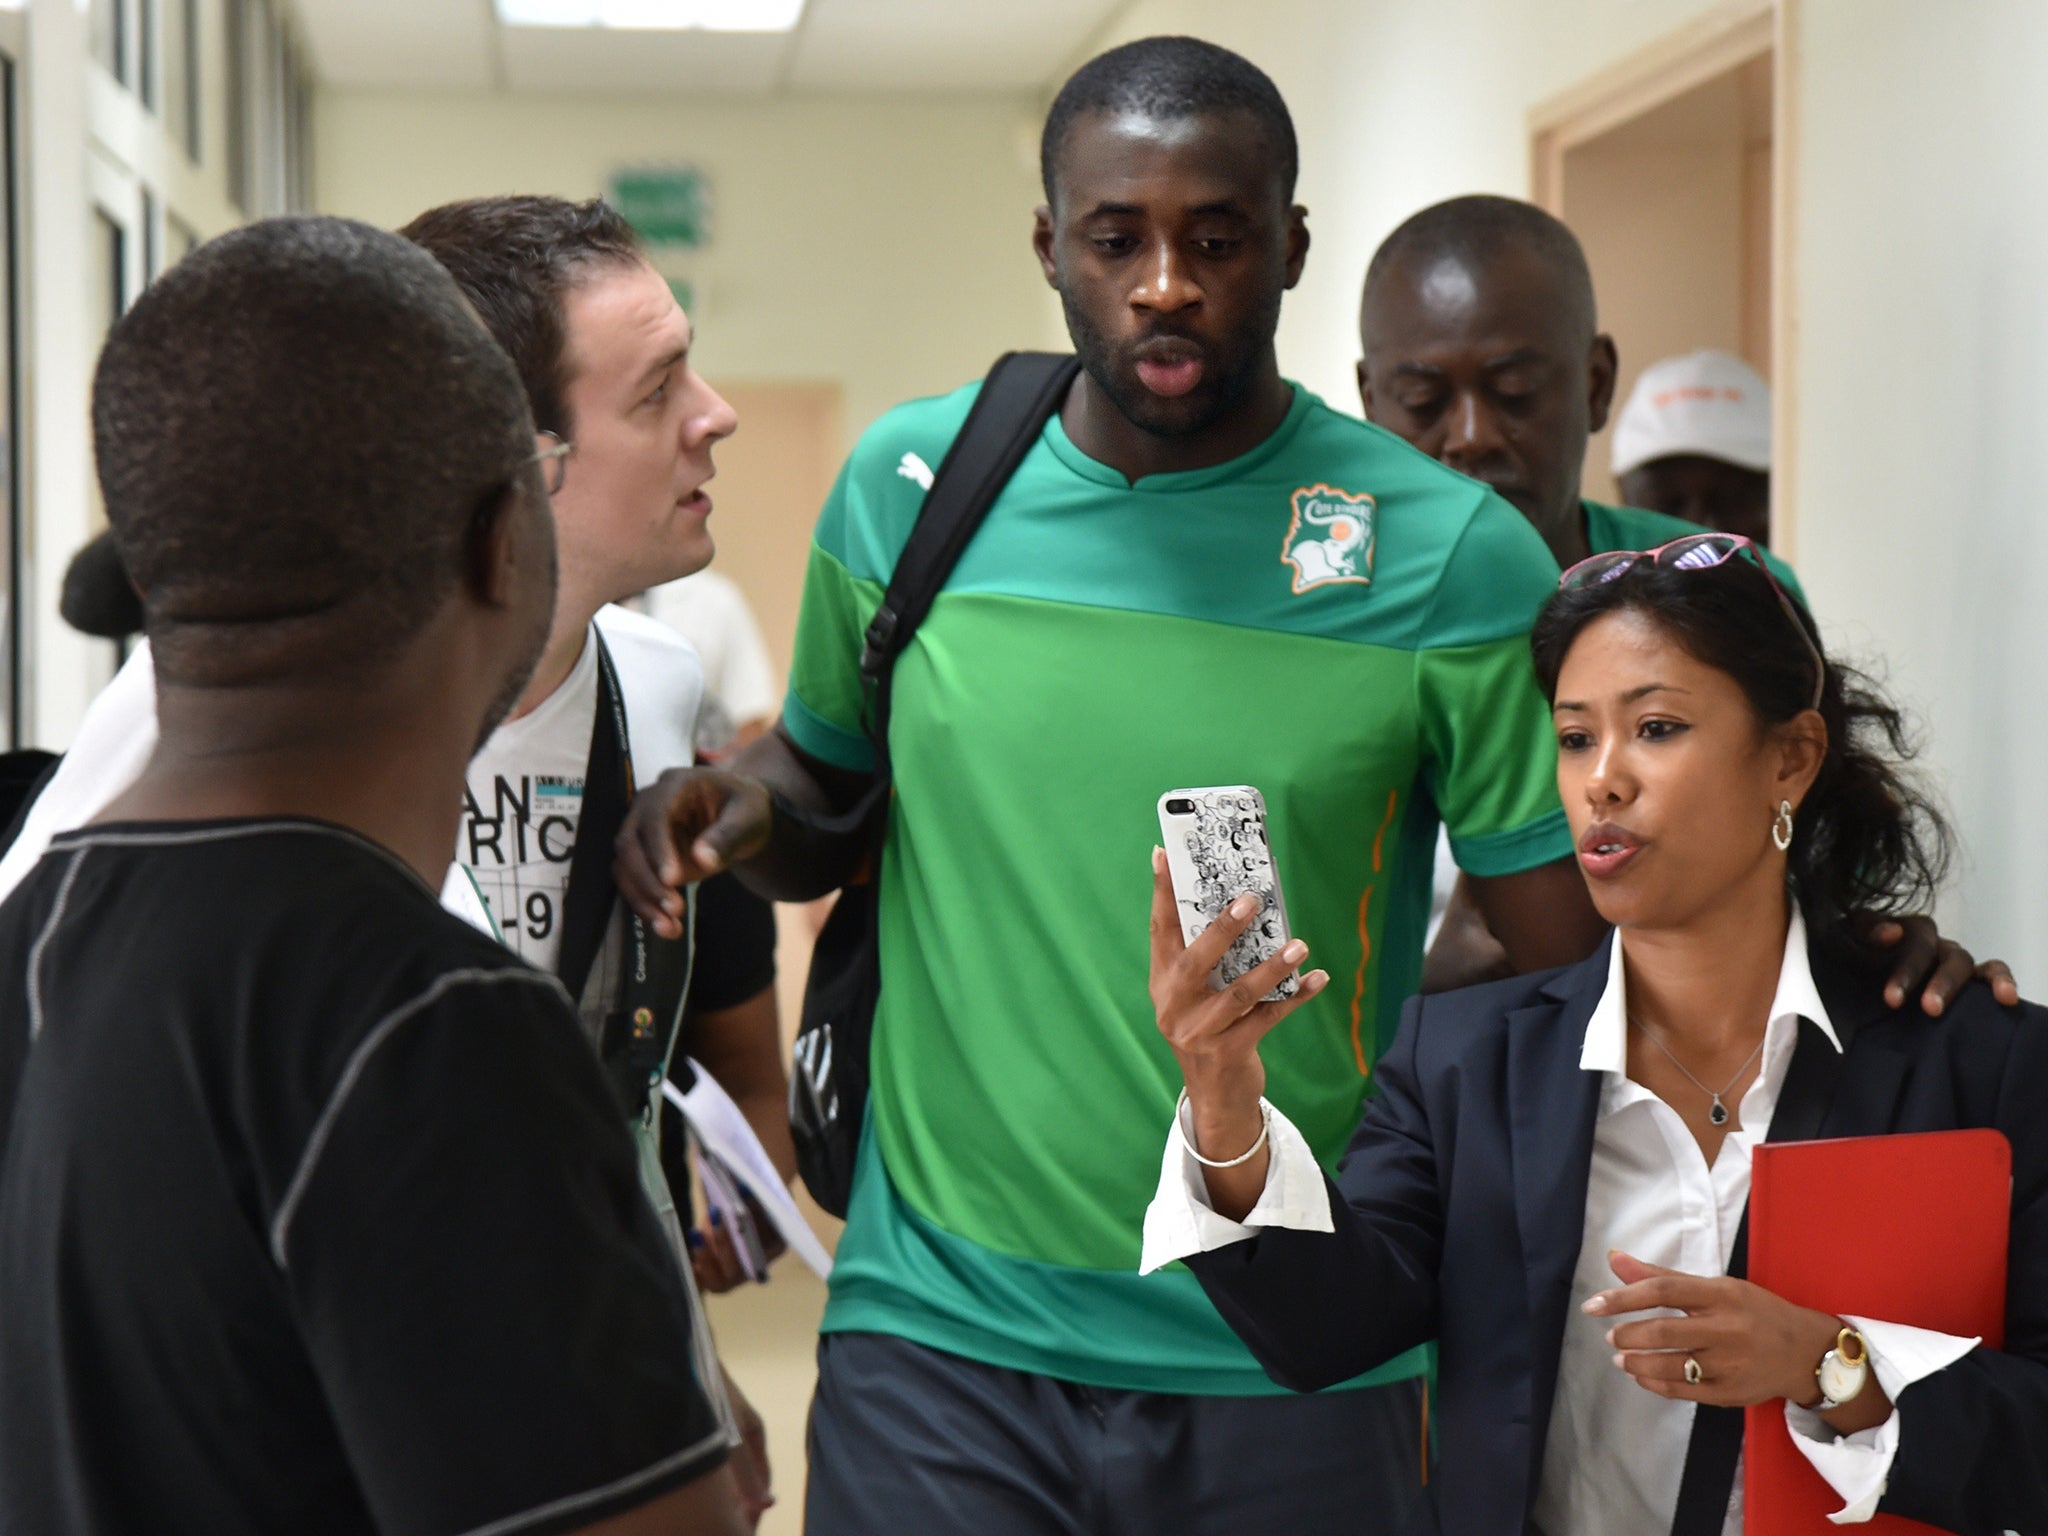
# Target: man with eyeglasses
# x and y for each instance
(627, 434)
(316, 1214)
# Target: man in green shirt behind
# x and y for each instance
(1199, 575)
(1480, 346)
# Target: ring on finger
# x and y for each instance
(1692, 1372)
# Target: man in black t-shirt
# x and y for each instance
(316, 1211)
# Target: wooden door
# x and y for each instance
(773, 476)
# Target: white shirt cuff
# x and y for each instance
(1859, 1466)
(1180, 1220)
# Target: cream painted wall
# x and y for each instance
(61, 668)
(878, 243)
(1920, 290)
(87, 143)
(1922, 249)
(1399, 105)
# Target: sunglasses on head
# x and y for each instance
(1696, 552)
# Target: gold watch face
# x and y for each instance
(1840, 1380)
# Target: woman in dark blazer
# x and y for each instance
(1551, 1178)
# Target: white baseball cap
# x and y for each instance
(1706, 403)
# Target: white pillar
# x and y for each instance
(62, 669)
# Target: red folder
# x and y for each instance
(1899, 1229)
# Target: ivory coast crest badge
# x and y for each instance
(1331, 538)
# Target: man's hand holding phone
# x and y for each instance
(1215, 1035)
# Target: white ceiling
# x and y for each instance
(844, 45)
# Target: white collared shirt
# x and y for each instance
(1615, 1452)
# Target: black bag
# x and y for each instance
(828, 1082)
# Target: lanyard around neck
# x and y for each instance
(639, 1025)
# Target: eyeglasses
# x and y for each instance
(1697, 552)
(554, 462)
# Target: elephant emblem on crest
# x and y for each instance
(1331, 537)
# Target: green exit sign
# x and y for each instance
(667, 204)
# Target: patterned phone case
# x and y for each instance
(1216, 851)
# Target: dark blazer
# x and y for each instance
(1460, 1208)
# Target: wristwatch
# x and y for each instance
(1842, 1371)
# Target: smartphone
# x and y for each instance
(1216, 851)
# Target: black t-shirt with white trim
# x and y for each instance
(316, 1212)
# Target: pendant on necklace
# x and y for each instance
(1719, 1113)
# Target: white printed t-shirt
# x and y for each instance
(523, 799)
(521, 806)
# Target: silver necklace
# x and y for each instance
(1719, 1113)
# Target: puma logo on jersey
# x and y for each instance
(914, 468)
(1331, 537)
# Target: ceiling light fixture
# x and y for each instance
(655, 15)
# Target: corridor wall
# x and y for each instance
(879, 243)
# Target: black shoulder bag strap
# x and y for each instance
(829, 1081)
(639, 1029)
(1020, 394)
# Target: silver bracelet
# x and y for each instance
(1265, 1125)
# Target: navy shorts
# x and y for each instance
(909, 1439)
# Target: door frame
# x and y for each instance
(1725, 37)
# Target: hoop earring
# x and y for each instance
(1781, 826)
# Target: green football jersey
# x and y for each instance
(1333, 618)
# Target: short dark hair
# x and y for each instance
(1867, 840)
(1480, 228)
(295, 428)
(1167, 79)
(516, 258)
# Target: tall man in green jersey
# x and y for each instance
(1200, 574)
(1480, 345)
